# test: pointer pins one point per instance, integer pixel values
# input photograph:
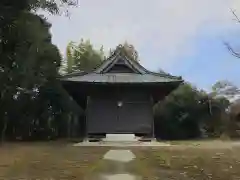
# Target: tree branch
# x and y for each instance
(234, 53)
(235, 15)
(229, 47)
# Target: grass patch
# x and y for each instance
(195, 142)
(191, 163)
(142, 164)
(213, 160)
(48, 161)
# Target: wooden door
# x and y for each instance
(121, 112)
(135, 115)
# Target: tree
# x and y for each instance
(82, 57)
(218, 104)
(35, 62)
(28, 59)
(226, 89)
(175, 117)
(69, 57)
(127, 50)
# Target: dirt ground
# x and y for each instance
(208, 160)
(200, 161)
(45, 161)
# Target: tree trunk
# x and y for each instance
(69, 126)
(3, 133)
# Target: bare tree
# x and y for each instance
(229, 47)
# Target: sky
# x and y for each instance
(183, 37)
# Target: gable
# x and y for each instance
(118, 68)
(120, 65)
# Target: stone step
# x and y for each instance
(120, 138)
(146, 139)
(94, 139)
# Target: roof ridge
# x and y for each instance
(76, 73)
(128, 62)
(154, 73)
(106, 62)
(165, 75)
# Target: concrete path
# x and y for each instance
(123, 144)
(122, 140)
(119, 155)
(115, 166)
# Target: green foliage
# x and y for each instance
(34, 104)
(82, 57)
(29, 64)
(175, 116)
(127, 50)
(69, 58)
(188, 113)
(226, 89)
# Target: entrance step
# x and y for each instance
(94, 139)
(146, 139)
(120, 138)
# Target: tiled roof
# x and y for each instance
(121, 78)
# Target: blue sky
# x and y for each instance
(182, 37)
(211, 61)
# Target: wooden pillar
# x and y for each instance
(153, 124)
(86, 118)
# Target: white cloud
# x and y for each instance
(166, 28)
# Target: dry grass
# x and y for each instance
(47, 161)
(200, 163)
(61, 161)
